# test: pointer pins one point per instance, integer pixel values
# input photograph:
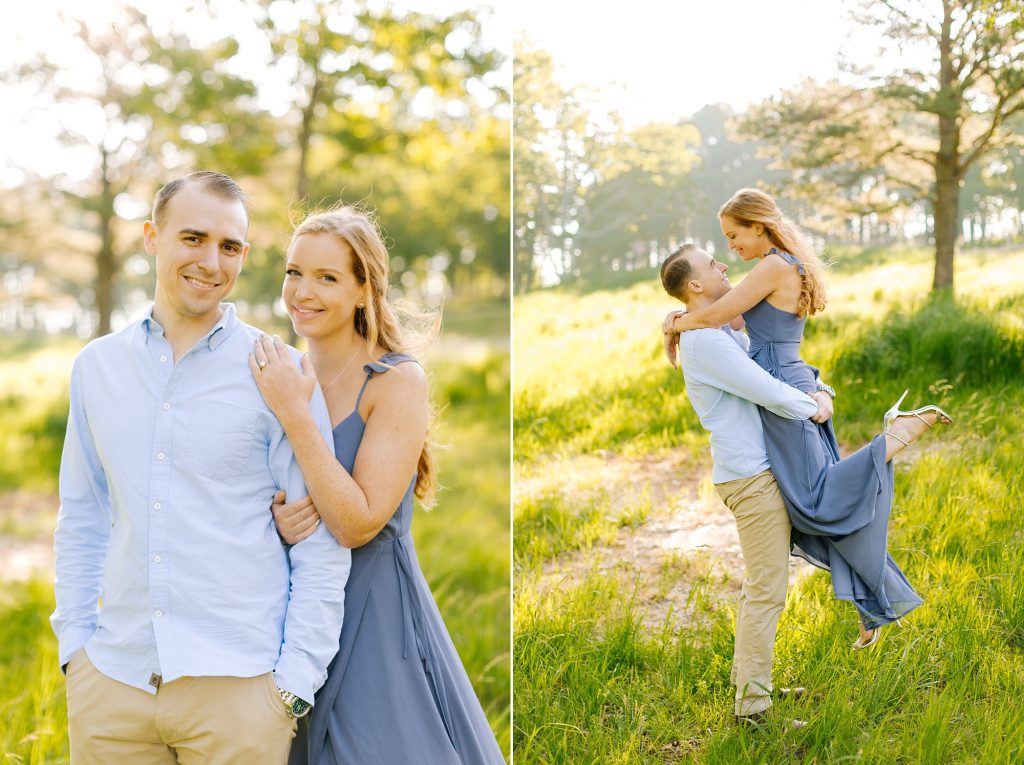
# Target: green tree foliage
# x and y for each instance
(386, 113)
(642, 199)
(728, 162)
(403, 112)
(914, 131)
(160, 101)
(549, 131)
(835, 150)
(975, 85)
(590, 198)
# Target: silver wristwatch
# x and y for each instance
(820, 386)
(293, 705)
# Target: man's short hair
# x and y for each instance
(220, 184)
(676, 271)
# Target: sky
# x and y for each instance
(653, 60)
(28, 130)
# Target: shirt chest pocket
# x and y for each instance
(220, 440)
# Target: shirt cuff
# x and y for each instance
(70, 642)
(296, 674)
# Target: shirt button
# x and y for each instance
(156, 559)
(163, 359)
(167, 406)
(160, 455)
(157, 505)
(158, 613)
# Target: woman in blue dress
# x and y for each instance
(396, 691)
(839, 508)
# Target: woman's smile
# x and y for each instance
(303, 314)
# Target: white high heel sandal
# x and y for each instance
(894, 411)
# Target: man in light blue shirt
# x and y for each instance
(189, 633)
(725, 388)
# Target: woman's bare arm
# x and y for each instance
(355, 507)
(766, 277)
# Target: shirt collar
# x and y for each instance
(150, 327)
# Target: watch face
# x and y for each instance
(300, 707)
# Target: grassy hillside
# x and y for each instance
(596, 683)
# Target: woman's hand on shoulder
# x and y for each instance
(286, 389)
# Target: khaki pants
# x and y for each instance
(193, 720)
(764, 530)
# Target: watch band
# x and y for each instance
(293, 705)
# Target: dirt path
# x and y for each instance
(685, 551)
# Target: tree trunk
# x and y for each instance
(947, 160)
(105, 264)
(305, 138)
(302, 179)
(947, 184)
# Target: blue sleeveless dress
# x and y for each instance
(839, 508)
(396, 691)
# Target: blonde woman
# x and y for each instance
(839, 508)
(396, 691)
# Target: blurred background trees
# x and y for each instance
(926, 151)
(305, 103)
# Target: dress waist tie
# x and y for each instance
(415, 623)
(767, 353)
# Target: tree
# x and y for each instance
(158, 101)
(833, 147)
(974, 85)
(384, 110)
(549, 134)
(642, 197)
(728, 162)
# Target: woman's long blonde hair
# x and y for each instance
(397, 327)
(750, 206)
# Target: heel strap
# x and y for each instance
(887, 433)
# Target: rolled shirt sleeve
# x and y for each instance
(724, 365)
(319, 570)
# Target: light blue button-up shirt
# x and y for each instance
(725, 387)
(168, 563)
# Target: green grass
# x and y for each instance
(482, 317)
(463, 542)
(33, 411)
(32, 706)
(593, 685)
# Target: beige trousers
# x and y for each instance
(193, 720)
(764, 530)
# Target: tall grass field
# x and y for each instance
(463, 542)
(595, 682)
